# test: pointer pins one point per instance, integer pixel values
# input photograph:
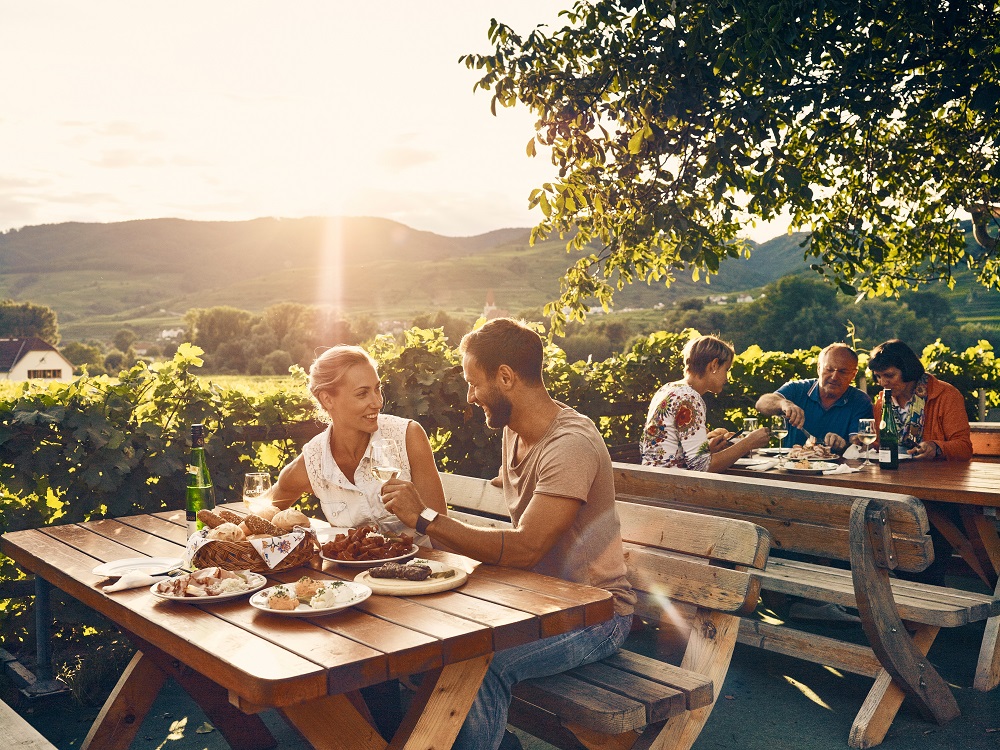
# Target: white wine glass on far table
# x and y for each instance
(385, 459)
(779, 428)
(256, 484)
(749, 425)
(866, 435)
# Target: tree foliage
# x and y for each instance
(26, 319)
(673, 124)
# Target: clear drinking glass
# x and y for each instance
(779, 428)
(749, 425)
(866, 434)
(386, 460)
(255, 485)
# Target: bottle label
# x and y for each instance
(192, 469)
(881, 425)
(884, 455)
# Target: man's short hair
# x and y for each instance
(504, 341)
(839, 346)
(894, 353)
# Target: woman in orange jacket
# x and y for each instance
(930, 413)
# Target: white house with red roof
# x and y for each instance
(33, 359)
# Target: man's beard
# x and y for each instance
(497, 408)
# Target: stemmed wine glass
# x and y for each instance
(749, 425)
(255, 485)
(866, 434)
(386, 460)
(779, 428)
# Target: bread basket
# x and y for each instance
(243, 556)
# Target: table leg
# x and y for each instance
(441, 704)
(988, 666)
(982, 533)
(959, 541)
(122, 714)
(333, 723)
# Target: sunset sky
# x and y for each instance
(226, 110)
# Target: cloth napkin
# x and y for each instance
(854, 451)
(764, 466)
(133, 581)
(842, 469)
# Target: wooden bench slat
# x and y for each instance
(696, 687)
(818, 649)
(678, 579)
(661, 701)
(588, 705)
(18, 733)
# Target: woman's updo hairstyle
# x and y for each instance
(700, 352)
(330, 367)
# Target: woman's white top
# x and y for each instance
(359, 503)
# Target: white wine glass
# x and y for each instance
(866, 434)
(386, 460)
(750, 424)
(256, 484)
(779, 428)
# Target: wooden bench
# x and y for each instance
(877, 533)
(18, 733)
(679, 563)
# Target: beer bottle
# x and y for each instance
(888, 434)
(200, 492)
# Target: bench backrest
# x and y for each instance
(802, 518)
(672, 555)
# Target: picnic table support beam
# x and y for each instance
(44, 682)
(988, 666)
(903, 661)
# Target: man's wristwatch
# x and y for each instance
(425, 519)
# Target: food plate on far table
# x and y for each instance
(773, 451)
(153, 566)
(810, 467)
(755, 461)
(443, 577)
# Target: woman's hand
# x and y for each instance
(924, 451)
(718, 439)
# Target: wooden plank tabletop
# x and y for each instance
(272, 660)
(961, 482)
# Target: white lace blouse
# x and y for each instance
(358, 503)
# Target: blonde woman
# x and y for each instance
(337, 465)
(676, 433)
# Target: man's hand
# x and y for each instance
(795, 415)
(924, 451)
(836, 442)
(402, 499)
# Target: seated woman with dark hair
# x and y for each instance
(676, 433)
(930, 413)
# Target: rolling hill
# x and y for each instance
(146, 274)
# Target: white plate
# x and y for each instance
(747, 461)
(773, 451)
(150, 565)
(815, 467)
(397, 587)
(256, 581)
(259, 601)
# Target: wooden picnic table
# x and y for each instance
(236, 661)
(973, 487)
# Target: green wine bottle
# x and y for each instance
(200, 492)
(888, 435)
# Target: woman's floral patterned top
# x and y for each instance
(676, 434)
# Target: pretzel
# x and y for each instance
(210, 518)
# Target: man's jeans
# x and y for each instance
(484, 726)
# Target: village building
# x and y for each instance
(33, 359)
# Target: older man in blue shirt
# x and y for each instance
(829, 407)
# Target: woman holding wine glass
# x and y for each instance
(346, 465)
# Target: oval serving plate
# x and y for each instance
(150, 565)
(773, 451)
(360, 592)
(256, 581)
(815, 467)
(398, 587)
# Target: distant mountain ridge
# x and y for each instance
(145, 274)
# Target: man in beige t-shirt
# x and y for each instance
(559, 487)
